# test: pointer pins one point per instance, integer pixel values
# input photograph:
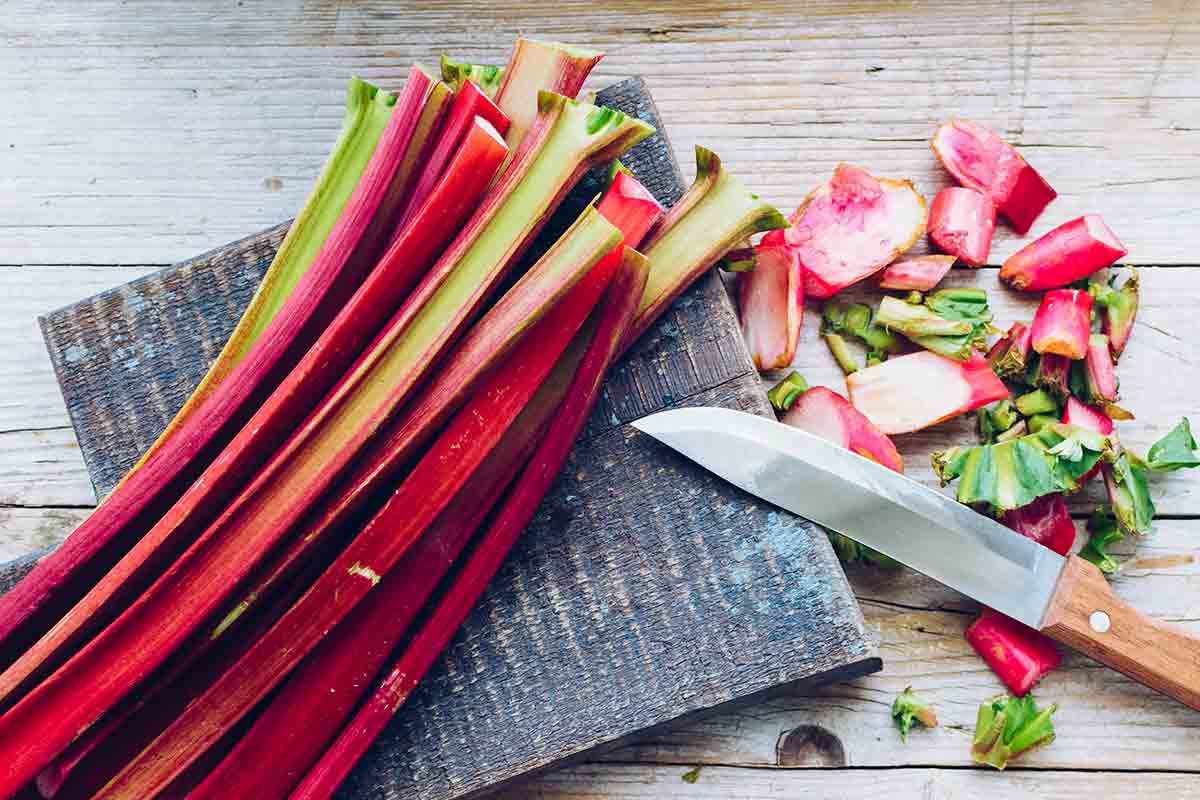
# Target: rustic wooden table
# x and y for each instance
(136, 134)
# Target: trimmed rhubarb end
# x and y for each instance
(852, 226)
(909, 709)
(534, 67)
(1098, 367)
(980, 160)
(1064, 255)
(784, 393)
(1046, 521)
(1009, 357)
(1090, 418)
(916, 274)
(1062, 325)
(961, 223)
(1118, 312)
(908, 393)
(1006, 727)
(825, 413)
(771, 303)
(1019, 655)
(1053, 374)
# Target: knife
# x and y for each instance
(1066, 598)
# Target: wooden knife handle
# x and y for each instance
(1085, 615)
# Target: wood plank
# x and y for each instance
(644, 782)
(29, 530)
(1102, 99)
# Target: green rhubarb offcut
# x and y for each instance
(1007, 727)
(784, 393)
(858, 320)
(910, 709)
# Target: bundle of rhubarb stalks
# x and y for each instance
(1045, 393)
(245, 612)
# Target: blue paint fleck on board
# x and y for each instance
(74, 353)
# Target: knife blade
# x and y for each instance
(856, 497)
(1066, 598)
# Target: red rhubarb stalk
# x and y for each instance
(619, 308)
(348, 254)
(469, 102)
(1066, 254)
(1046, 521)
(1018, 654)
(1062, 324)
(401, 267)
(1009, 356)
(825, 413)
(961, 223)
(409, 511)
(916, 274)
(568, 138)
(852, 226)
(1098, 368)
(981, 160)
(771, 303)
(908, 393)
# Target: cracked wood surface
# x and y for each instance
(1103, 98)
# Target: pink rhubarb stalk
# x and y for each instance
(1046, 521)
(825, 413)
(1099, 370)
(1018, 654)
(908, 393)
(918, 274)
(353, 242)
(1071, 251)
(771, 302)
(852, 226)
(981, 160)
(469, 102)
(1063, 322)
(1089, 418)
(621, 304)
(961, 223)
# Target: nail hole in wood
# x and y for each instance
(810, 746)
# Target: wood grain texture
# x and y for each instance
(647, 590)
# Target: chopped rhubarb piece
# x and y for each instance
(852, 226)
(771, 303)
(784, 393)
(981, 160)
(1046, 521)
(839, 348)
(1009, 357)
(1006, 727)
(535, 67)
(1118, 309)
(909, 709)
(1066, 254)
(1128, 494)
(1053, 374)
(1101, 377)
(1039, 401)
(950, 322)
(1089, 418)
(825, 413)
(908, 393)
(916, 274)
(1018, 654)
(961, 223)
(995, 419)
(1063, 322)
(858, 320)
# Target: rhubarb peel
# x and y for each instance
(713, 215)
(1019, 655)
(616, 314)
(961, 223)
(910, 709)
(981, 160)
(911, 392)
(1066, 254)
(771, 303)
(918, 274)
(853, 226)
(1063, 322)
(1007, 727)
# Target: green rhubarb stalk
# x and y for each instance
(910, 709)
(1128, 493)
(1007, 727)
(1011, 474)
(367, 112)
(784, 393)
(713, 215)
(486, 76)
(1039, 421)
(839, 348)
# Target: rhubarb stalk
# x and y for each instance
(486, 76)
(1006, 727)
(858, 320)
(1018, 654)
(713, 215)
(617, 313)
(908, 393)
(1066, 254)
(852, 226)
(1053, 373)
(771, 303)
(1047, 521)
(1009, 357)
(535, 67)
(123, 521)
(1063, 323)
(950, 322)
(569, 136)
(1118, 309)
(961, 223)
(916, 274)
(1102, 384)
(784, 393)
(825, 413)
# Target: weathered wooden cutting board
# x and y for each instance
(645, 591)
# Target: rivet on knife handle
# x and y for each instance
(1085, 615)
